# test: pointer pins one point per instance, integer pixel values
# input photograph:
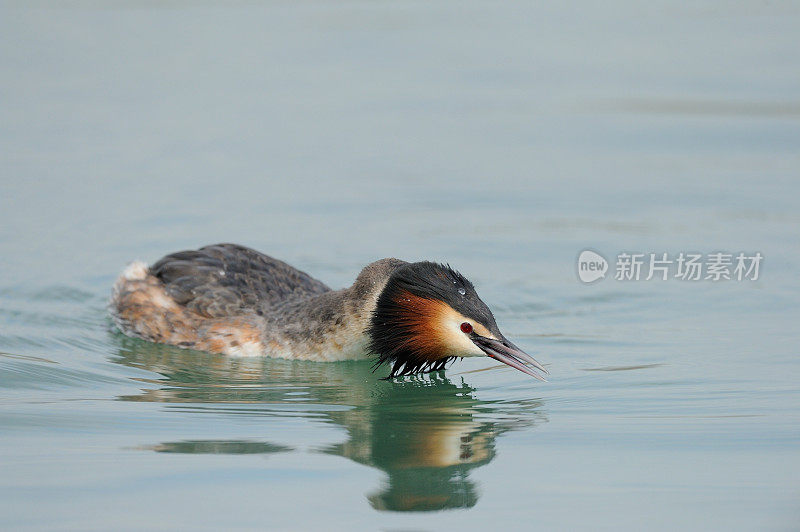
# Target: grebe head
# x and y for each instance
(429, 314)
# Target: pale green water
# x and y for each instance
(501, 138)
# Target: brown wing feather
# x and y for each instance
(229, 280)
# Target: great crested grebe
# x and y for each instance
(226, 298)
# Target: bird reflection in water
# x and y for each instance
(425, 432)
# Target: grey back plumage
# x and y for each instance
(230, 280)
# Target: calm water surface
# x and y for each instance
(503, 139)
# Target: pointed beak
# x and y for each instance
(507, 353)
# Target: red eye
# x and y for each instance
(466, 328)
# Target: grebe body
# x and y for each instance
(230, 299)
